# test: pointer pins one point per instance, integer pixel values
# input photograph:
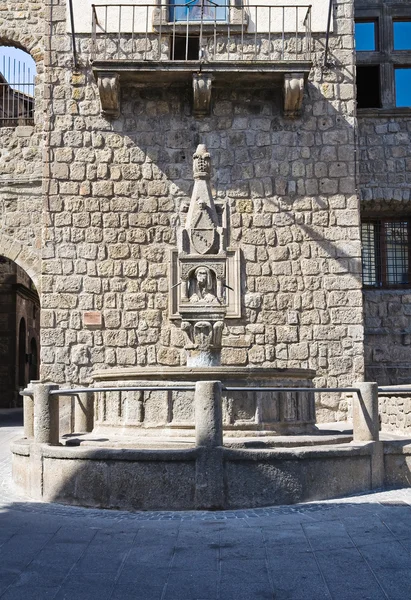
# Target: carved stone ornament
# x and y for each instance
(204, 336)
(202, 85)
(200, 235)
(293, 94)
(109, 89)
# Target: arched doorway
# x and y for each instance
(19, 332)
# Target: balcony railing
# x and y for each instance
(201, 31)
(16, 93)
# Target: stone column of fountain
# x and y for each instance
(202, 302)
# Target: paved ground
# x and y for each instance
(349, 549)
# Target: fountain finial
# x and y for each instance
(201, 163)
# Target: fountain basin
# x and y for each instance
(170, 413)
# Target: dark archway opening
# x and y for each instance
(21, 354)
(19, 332)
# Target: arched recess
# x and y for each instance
(19, 329)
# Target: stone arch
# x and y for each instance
(23, 256)
(21, 39)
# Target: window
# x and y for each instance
(17, 73)
(403, 86)
(198, 10)
(368, 86)
(402, 35)
(385, 254)
(383, 44)
(365, 36)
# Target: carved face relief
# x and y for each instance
(202, 286)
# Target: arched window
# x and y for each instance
(17, 73)
(22, 353)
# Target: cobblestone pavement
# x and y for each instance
(345, 549)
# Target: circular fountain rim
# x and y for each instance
(200, 373)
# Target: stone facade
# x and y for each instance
(106, 220)
(384, 136)
(385, 178)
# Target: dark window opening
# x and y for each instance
(368, 86)
(185, 48)
(385, 253)
(402, 35)
(34, 361)
(366, 36)
(22, 354)
(403, 86)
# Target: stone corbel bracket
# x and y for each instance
(293, 94)
(109, 89)
(202, 84)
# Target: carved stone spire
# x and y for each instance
(202, 221)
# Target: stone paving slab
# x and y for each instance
(356, 548)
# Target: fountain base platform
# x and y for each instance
(174, 474)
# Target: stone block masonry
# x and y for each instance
(112, 192)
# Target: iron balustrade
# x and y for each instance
(190, 388)
(44, 428)
(201, 31)
(16, 93)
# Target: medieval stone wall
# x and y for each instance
(22, 25)
(112, 195)
(385, 178)
(114, 198)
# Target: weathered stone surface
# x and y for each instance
(110, 209)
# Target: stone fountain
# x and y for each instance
(205, 295)
(204, 435)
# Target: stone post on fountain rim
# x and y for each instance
(209, 482)
(366, 427)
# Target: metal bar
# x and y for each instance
(13, 106)
(174, 33)
(119, 32)
(289, 389)
(145, 51)
(215, 40)
(327, 37)
(105, 31)
(283, 34)
(154, 388)
(269, 32)
(255, 33)
(188, 11)
(296, 31)
(228, 33)
(73, 35)
(383, 390)
(132, 29)
(242, 32)
(133, 388)
(93, 32)
(200, 45)
(160, 36)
